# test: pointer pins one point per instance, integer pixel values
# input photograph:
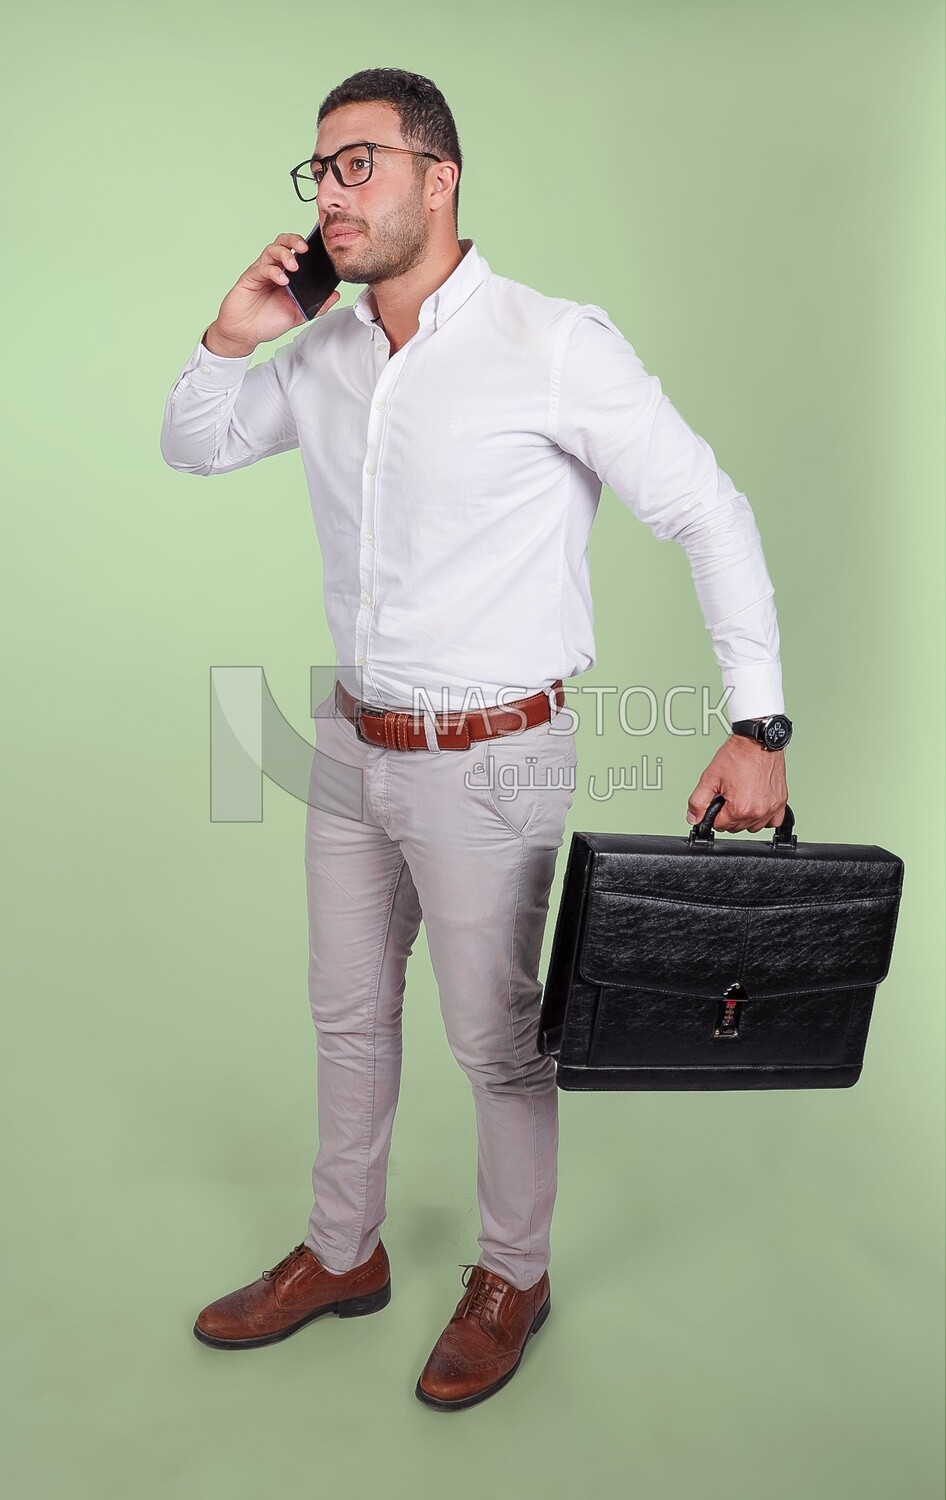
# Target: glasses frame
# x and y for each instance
(332, 161)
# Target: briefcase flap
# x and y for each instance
(664, 915)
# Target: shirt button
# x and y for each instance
(369, 536)
(372, 469)
(366, 598)
(360, 660)
(380, 405)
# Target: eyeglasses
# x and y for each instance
(351, 165)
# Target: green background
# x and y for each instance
(747, 1287)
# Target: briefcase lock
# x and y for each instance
(729, 1014)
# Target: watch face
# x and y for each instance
(778, 732)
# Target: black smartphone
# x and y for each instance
(316, 277)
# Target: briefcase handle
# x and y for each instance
(704, 832)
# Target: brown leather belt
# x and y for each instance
(403, 729)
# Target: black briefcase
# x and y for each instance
(706, 962)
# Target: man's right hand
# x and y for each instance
(259, 308)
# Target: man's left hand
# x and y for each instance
(753, 782)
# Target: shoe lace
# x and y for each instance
(286, 1260)
(484, 1291)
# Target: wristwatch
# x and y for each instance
(772, 732)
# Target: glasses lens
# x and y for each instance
(305, 184)
(354, 165)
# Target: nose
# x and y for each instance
(332, 197)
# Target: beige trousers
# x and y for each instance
(466, 840)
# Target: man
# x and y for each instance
(455, 428)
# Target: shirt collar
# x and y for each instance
(445, 299)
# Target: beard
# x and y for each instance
(396, 244)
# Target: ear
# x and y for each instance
(441, 180)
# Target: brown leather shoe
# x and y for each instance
(482, 1346)
(291, 1295)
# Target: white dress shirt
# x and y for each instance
(454, 485)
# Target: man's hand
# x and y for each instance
(258, 307)
(753, 782)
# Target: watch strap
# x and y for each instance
(754, 729)
(751, 729)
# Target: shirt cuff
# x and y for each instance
(756, 691)
(216, 372)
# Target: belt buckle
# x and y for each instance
(359, 711)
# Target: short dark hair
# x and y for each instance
(426, 121)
